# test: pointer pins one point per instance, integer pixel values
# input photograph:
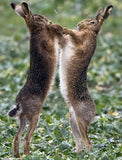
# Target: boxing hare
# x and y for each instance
(44, 37)
(79, 48)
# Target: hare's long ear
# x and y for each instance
(26, 9)
(107, 11)
(103, 14)
(99, 13)
(21, 10)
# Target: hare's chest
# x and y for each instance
(66, 54)
(68, 51)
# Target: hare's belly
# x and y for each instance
(66, 54)
(56, 46)
(56, 49)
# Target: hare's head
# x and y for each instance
(95, 24)
(32, 20)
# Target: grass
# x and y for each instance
(53, 139)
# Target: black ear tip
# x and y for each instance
(24, 4)
(13, 5)
(110, 6)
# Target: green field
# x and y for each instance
(53, 140)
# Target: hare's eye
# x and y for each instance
(38, 18)
(92, 22)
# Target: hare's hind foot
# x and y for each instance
(79, 147)
(16, 155)
(26, 147)
(89, 147)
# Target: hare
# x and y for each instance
(44, 38)
(76, 54)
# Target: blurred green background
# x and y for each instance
(53, 139)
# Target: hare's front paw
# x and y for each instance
(65, 31)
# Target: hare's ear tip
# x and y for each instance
(110, 7)
(24, 3)
(13, 5)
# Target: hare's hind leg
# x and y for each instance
(17, 138)
(83, 128)
(84, 134)
(75, 130)
(32, 126)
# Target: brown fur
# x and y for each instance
(80, 47)
(43, 60)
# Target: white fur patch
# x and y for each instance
(66, 53)
(18, 10)
(56, 46)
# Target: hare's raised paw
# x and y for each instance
(56, 29)
(66, 31)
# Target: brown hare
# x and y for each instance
(44, 37)
(76, 54)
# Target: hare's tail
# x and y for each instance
(15, 111)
